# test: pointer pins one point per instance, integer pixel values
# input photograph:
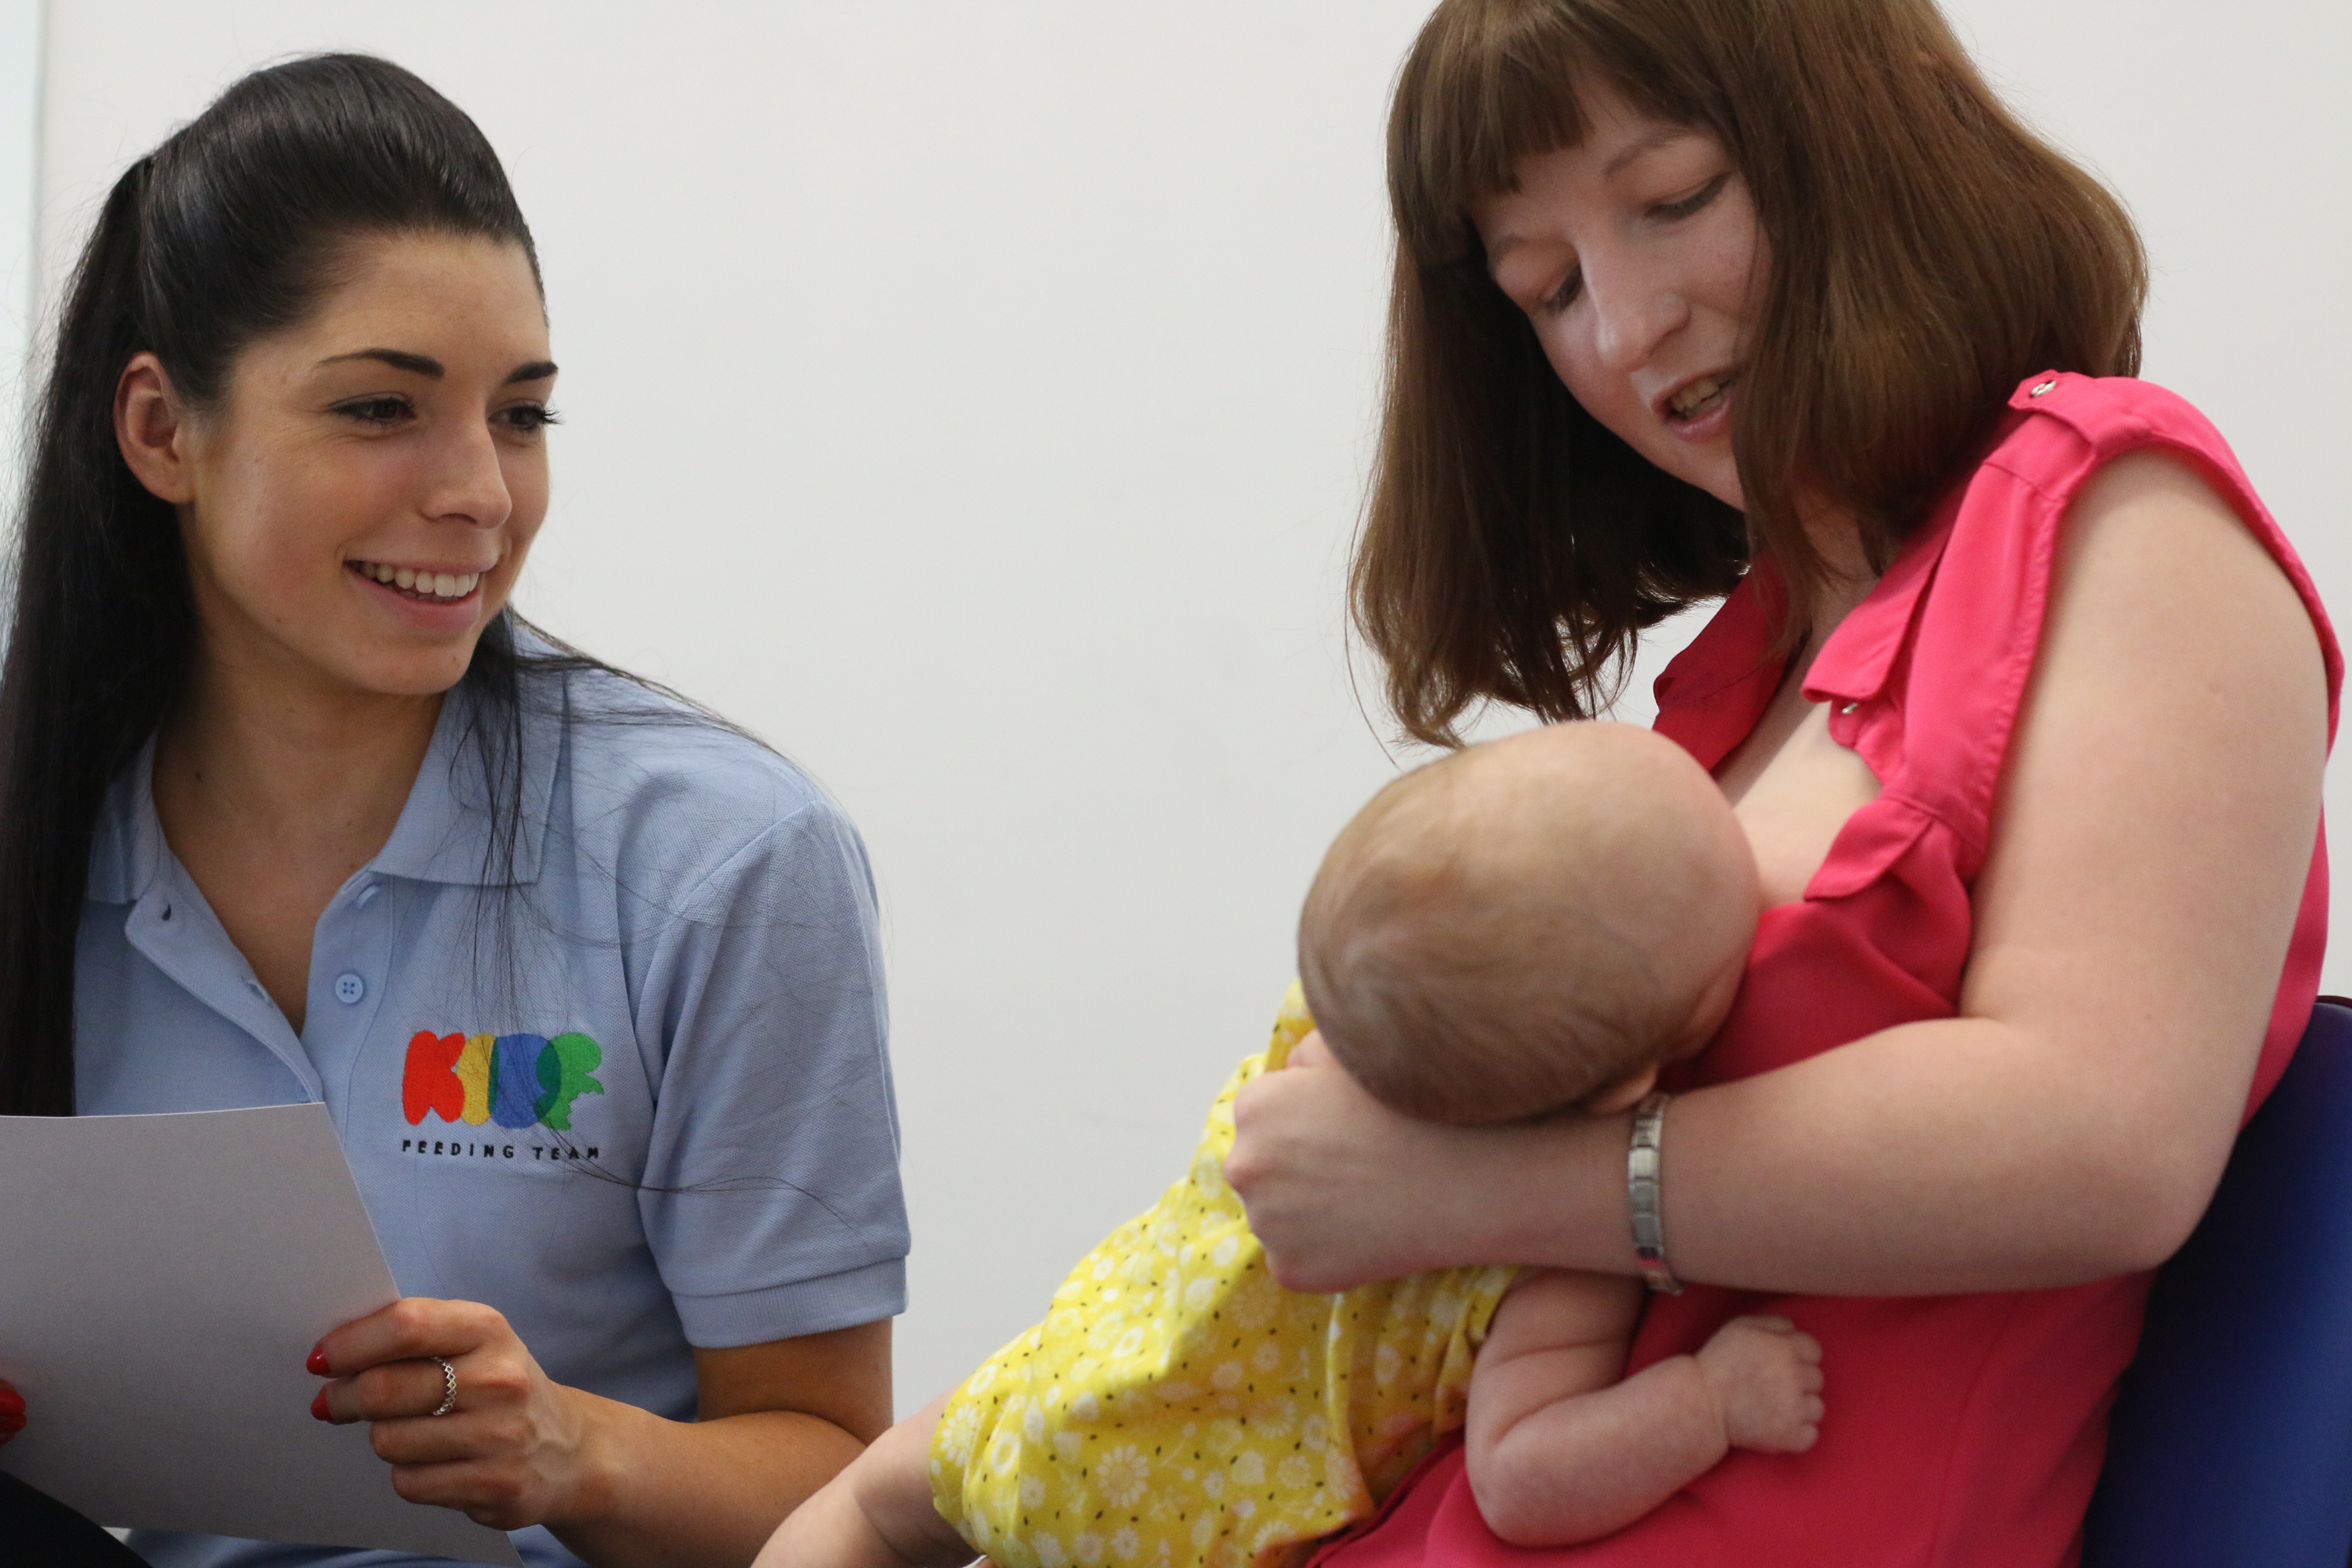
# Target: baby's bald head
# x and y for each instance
(1507, 930)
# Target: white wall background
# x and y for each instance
(974, 400)
(20, 129)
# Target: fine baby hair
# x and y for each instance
(1524, 923)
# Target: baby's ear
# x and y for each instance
(1310, 1052)
(1623, 1095)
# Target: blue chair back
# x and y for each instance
(2231, 1444)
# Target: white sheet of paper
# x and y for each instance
(162, 1280)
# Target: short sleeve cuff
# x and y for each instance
(803, 1307)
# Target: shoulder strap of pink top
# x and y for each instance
(1931, 706)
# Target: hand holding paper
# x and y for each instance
(162, 1280)
(508, 1449)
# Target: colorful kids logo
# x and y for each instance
(513, 1081)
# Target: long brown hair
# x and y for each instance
(1927, 252)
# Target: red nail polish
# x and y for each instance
(318, 1363)
(319, 1406)
(11, 1423)
(11, 1402)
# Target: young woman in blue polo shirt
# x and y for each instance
(293, 808)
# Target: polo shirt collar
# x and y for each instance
(444, 831)
(444, 834)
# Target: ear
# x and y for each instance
(152, 429)
(1623, 1095)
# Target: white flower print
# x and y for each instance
(1123, 1474)
(960, 1432)
(1087, 1548)
(1124, 1544)
(1340, 1472)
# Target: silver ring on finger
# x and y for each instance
(448, 1388)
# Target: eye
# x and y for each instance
(527, 419)
(379, 408)
(1694, 203)
(1561, 297)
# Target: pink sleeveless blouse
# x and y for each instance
(1963, 1431)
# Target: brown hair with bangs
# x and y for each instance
(1927, 252)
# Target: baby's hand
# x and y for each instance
(1767, 1381)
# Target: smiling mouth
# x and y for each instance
(1699, 398)
(425, 587)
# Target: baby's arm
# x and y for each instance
(1560, 1450)
(877, 1513)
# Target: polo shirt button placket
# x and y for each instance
(350, 989)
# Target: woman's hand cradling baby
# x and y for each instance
(1342, 1190)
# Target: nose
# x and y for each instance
(469, 483)
(1634, 309)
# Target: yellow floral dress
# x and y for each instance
(1178, 1407)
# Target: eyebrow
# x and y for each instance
(425, 364)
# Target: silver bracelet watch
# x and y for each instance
(1642, 1191)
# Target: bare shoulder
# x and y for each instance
(2150, 534)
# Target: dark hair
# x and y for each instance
(226, 233)
(1927, 250)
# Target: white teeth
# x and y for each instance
(425, 584)
(1698, 394)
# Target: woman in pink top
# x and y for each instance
(2021, 694)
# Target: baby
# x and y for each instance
(1527, 927)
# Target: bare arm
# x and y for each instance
(617, 1485)
(877, 1513)
(2149, 850)
(1560, 1451)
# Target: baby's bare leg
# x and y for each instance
(877, 1513)
(1560, 1450)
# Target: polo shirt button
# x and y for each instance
(348, 988)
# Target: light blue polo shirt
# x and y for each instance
(636, 1095)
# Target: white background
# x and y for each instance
(974, 400)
